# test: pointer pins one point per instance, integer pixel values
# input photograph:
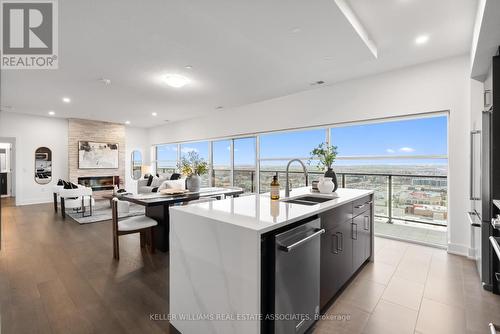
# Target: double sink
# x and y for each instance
(308, 199)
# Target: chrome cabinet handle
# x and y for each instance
(341, 244)
(335, 245)
(366, 222)
(471, 219)
(360, 206)
(354, 227)
(300, 242)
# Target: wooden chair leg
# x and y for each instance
(116, 247)
(152, 239)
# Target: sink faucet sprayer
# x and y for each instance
(287, 186)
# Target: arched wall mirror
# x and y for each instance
(43, 165)
(136, 165)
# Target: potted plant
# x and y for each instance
(193, 166)
(325, 155)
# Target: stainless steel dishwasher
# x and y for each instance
(297, 271)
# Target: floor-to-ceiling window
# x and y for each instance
(166, 158)
(221, 165)
(245, 163)
(276, 149)
(404, 161)
(202, 150)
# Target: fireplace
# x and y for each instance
(100, 182)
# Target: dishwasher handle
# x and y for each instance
(301, 241)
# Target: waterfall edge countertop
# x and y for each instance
(261, 214)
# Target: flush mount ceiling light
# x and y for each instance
(127, 122)
(175, 80)
(105, 81)
(154, 114)
(295, 30)
(66, 99)
(52, 112)
(422, 39)
(189, 67)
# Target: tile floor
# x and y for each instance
(58, 276)
(413, 289)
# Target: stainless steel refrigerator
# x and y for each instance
(484, 182)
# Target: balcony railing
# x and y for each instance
(419, 199)
(413, 198)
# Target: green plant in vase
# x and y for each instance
(193, 166)
(325, 155)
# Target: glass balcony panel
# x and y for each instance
(420, 199)
(380, 184)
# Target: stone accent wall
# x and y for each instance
(104, 132)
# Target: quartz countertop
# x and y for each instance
(261, 214)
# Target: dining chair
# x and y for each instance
(123, 225)
(78, 199)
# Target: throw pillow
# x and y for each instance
(73, 186)
(175, 176)
(156, 182)
(60, 182)
(154, 190)
(66, 185)
(150, 179)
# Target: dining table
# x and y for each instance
(157, 207)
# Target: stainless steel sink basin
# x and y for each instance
(308, 200)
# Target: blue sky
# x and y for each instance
(425, 136)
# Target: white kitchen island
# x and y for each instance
(215, 257)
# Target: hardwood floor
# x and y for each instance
(60, 277)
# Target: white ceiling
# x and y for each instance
(241, 52)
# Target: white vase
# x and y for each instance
(325, 185)
(193, 183)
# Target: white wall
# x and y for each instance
(436, 86)
(32, 132)
(135, 139)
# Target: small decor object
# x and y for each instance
(173, 191)
(97, 155)
(326, 155)
(325, 185)
(193, 166)
(275, 188)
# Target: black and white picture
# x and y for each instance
(97, 155)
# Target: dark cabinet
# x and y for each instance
(3, 183)
(345, 246)
(336, 260)
(361, 240)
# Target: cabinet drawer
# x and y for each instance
(333, 217)
(361, 205)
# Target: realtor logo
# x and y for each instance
(29, 34)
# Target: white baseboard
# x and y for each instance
(457, 249)
(33, 202)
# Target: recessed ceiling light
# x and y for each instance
(175, 80)
(154, 114)
(66, 99)
(52, 112)
(188, 67)
(295, 29)
(127, 122)
(219, 107)
(422, 39)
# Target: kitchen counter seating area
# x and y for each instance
(251, 260)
